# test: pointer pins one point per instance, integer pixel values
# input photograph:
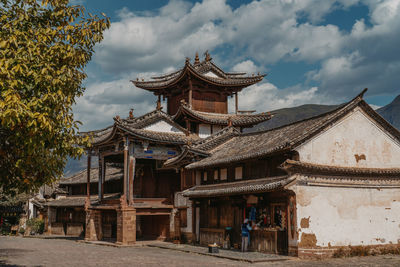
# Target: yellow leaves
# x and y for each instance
(3, 44)
(43, 52)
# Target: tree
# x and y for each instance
(44, 47)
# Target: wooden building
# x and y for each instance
(66, 212)
(309, 187)
(191, 173)
(197, 107)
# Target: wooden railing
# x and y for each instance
(268, 241)
(263, 240)
(211, 236)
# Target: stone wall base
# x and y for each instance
(347, 251)
(126, 226)
(93, 226)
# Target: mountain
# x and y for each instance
(288, 115)
(391, 112)
(76, 165)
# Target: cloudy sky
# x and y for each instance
(322, 52)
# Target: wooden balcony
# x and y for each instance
(143, 206)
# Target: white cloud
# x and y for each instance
(104, 100)
(267, 97)
(257, 34)
(369, 56)
(247, 66)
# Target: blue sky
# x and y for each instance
(322, 52)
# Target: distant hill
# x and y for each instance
(74, 165)
(391, 112)
(288, 115)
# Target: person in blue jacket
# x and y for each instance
(246, 228)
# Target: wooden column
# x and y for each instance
(190, 92)
(126, 166)
(132, 164)
(182, 179)
(103, 176)
(236, 103)
(99, 182)
(89, 160)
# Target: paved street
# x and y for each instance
(17, 251)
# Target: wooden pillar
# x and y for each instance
(103, 176)
(182, 179)
(159, 107)
(187, 125)
(132, 164)
(89, 160)
(126, 166)
(236, 103)
(190, 92)
(194, 237)
(100, 177)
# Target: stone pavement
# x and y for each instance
(251, 257)
(18, 251)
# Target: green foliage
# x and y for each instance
(36, 225)
(44, 47)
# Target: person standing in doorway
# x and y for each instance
(246, 228)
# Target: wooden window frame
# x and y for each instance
(216, 171)
(226, 174)
(204, 176)
(239, 166)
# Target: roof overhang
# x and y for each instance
(239, 188)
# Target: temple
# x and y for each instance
(197, 108)
(191, 174)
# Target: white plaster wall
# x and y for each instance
(189, 213)
(204, 130)
(356, 134)
(162, 126)
(211, 74)
(349, 216)
(31, 210)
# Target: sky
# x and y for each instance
(319, 52)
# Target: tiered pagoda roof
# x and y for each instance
(239, 120)
(206, 71)
(137, 127)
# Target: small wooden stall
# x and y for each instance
(221, 217)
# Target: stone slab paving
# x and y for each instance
(251, 257)
(17, 251)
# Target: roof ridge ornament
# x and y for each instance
(361, 95)
(207, 56)
(229, 122)
(197, 59)
(117, 118)
(131, 113)
(187, 61)
(183, 102)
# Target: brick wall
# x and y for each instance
(126, 226)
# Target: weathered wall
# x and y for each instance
(354, 141)
(163, 126)
(334, 216)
